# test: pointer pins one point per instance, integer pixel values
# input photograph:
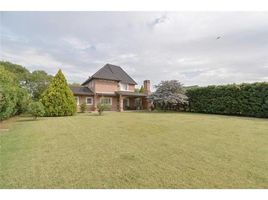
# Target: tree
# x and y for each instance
(36, 109)
(21, 73)
(37, 83)
(8, 94)
(58, 98)
(24, 100)
(169, 95)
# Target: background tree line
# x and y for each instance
(23, 91)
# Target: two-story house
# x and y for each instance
(113, 86)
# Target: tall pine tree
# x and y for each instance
(58, 99)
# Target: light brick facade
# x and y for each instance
(121, 96)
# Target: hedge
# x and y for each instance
(244, 99)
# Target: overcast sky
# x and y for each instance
(148, 45)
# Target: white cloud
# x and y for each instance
(149, 45)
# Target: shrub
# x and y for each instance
(58, 98)
(23, 102)
(83, 107)
(244, 99)
(36, 109)
(101, 107)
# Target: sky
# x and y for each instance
(196, 48)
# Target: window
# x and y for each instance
(123, 86)
(106, 100)
(77, 100)
(89, 100)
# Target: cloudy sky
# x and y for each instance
(196, 48)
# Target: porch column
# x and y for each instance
(95, 103)
(121, 103)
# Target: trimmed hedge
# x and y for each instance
(244, 99)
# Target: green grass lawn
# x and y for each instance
(135, 150)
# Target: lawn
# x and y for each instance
(135, 150)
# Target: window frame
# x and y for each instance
(111, 100)
(91, 100)
(122, 87)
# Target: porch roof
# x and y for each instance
(80, 90)
(133, 94)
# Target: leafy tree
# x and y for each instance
(83, 107)
(21, 73)
(101, 107)
(24, 100)
(36, 109)
(8, 94)
(58, 99)
(169, 95)
(38, 83)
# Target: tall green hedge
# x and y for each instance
(244, 99)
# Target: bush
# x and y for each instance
(58, 98)
(244, 99)
(36, 109)
(83, 107)
(101, 107)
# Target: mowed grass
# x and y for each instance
(135, 150)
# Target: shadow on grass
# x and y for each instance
(30, 120)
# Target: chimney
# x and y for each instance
(147, 86)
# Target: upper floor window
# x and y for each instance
(123, 86)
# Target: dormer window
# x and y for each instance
(124, 86)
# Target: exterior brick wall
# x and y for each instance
(106, 86)
(82, 99)
(131, 87)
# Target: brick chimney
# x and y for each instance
(147, 86)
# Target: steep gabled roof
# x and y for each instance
(111, 72)
(80, 90)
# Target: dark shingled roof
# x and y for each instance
(111, 72)
(80, 90)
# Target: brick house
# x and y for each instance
(113, 86)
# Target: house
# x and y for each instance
(113, 86)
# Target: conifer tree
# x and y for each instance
(58, 99)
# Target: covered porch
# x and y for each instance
(132, 101)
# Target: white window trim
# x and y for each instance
(91, 100)
(111, 100)
(77, 100)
